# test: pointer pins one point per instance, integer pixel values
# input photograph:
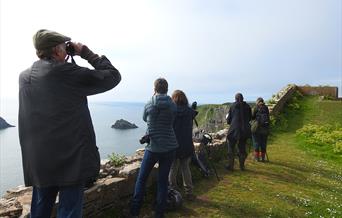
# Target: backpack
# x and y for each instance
(262, 116)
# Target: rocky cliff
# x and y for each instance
(4, 124)
(124, 124)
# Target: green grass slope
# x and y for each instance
(301, 180)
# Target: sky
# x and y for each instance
(209, 49)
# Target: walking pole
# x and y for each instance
(268, 160)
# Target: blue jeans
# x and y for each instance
(149, 160)
(69, 206)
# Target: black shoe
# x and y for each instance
(242, 165)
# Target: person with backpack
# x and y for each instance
(239, 131)
(183, 130)
(261, 116)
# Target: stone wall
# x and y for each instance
(114, 190)
(319, 90)
(278, 101)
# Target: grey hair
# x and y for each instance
(48, 52)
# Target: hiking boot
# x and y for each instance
(256, 156)
(230, 165)
(242, 163)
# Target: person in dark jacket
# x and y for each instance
(59, 152)
(239, 131)
(262, 115)
(159, 113)
(183, 130)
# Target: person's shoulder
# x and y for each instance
(65, 67)
(24, 76)
(149, 102)
(245, 103)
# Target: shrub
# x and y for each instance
(271, 101)
(324, 135)
(117, 160)
(279, 122)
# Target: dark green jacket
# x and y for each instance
(55, 129)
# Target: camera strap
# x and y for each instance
(72, 59)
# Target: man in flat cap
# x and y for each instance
(59, 152)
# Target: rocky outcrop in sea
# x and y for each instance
(124, 124)
(4, 124)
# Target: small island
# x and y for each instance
(4, 124)
(123, 124)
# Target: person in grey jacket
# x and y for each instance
(59, 152)
(159, 113)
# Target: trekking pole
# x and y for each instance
(268, 160)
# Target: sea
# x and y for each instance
(109, 140)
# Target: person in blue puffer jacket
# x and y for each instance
(159, 113)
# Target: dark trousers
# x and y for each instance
(149, 160)
(69, 205)
(241, 151)
(241, 147)
(260, 142)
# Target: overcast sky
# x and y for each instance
(210, 49)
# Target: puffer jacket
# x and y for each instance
(159, 113)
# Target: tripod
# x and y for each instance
(205, 142)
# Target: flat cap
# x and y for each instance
(44, 39)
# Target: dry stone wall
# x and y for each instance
(278, 101)
(319, 90)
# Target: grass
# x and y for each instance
(299, 180)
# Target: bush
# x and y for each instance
(117, 160)
(325, 135)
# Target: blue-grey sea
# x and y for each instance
(109, 140)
